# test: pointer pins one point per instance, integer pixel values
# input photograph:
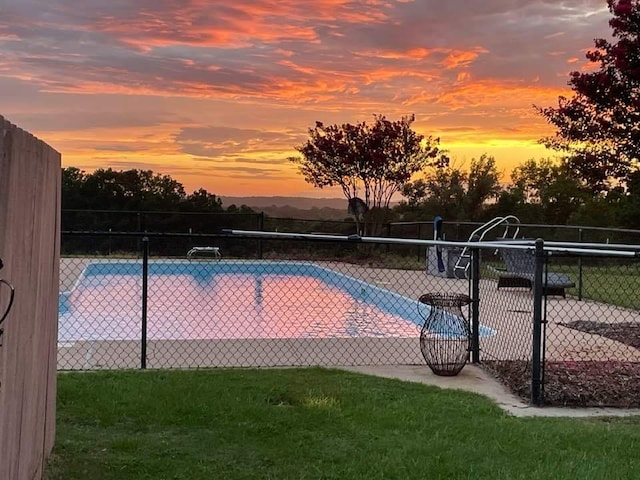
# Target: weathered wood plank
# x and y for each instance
(29, 245)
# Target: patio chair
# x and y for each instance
(519, 271)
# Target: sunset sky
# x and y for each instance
(218, 93)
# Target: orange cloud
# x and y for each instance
(495, 93)
(457, 59)
(236, 24)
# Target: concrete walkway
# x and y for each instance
(475, 379)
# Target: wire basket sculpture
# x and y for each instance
(445, 337)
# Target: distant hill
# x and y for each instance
(293, 207)
(302, 203)
(304, 208)
(324, 213)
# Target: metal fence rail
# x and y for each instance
(278, 299)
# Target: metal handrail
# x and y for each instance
(463, 261)
(214, 250)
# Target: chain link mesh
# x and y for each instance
(506, 306)
(304, 303)
(592, 354)
(591, 326)
(298, 303)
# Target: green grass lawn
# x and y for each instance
(315, 424)
(615, 285)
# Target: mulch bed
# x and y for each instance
(589, 383)
(576, 384)
(626, 332)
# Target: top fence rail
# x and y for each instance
(569, 248)
(559, 247)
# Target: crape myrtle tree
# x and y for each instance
(369, 161)
(599, 127)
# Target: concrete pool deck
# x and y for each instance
(509, 311)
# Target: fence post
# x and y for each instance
(580, 267)
(260, 228)
(475, 305)
(387, 246)
(145, 277)
(538, 292)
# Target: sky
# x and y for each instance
(217, 94)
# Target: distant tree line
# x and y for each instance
(108, 189)
(544, 191)
(110, 199)
(539, 191)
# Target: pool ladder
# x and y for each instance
(511, 225)
(213, 250)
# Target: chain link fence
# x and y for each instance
(592, 354)
(304, 303)
(507, 306)
(590, 321)
(297, 300)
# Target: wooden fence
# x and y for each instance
(29, 247)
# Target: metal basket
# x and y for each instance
(445, 337)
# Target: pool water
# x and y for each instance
(227, 300)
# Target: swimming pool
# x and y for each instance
(232, 299)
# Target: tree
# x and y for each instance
(376, 159)
(483, 185)
(72, 181)
(453, 193)
(444, 193)
(244, 209)
(549, 184)
(599, 127)
(202, 201)
(131, 190)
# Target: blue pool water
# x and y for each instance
(218, 300)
